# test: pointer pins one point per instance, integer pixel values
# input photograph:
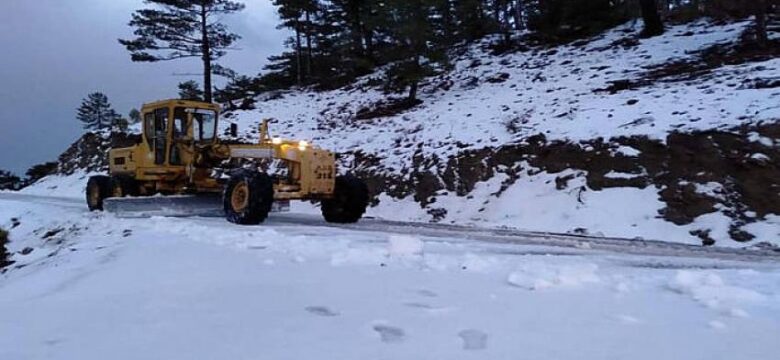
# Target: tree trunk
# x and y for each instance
(415, 82)
(413, 91)
(653, 24)
(760, 12)
(446, 20)
(357, 30)
(518, 15)
(308, 44)
(206, 49)
(298, 51)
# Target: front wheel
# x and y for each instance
(248, 197)
(349, 201)
(122, 186)
(98, 189)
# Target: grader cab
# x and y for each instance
(181, 157)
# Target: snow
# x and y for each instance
(402, 245)
(70, 186)
(627, 151)
(539, 275)
(183, 288)
(619, 175)
(709, 289)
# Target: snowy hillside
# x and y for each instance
(552, 91)
(481, 148)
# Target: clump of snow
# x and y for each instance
(620, 175)
(536, 275)
(709, 289)
(763, 140)
(627, 151)
(760, 157)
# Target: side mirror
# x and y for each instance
(234, 130)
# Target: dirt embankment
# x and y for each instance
(735, 170)
(90, 152)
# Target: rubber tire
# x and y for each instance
(103, 185)
(261, 197)
(349, 202)
(127, 186)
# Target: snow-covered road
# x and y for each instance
(93, 286)
(474, 233)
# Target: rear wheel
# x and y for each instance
(248, 197)
(98, 189)
(349, 202)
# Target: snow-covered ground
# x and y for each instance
(93, 286)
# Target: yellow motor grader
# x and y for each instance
(180, 160)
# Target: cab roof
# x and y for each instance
(179, 102)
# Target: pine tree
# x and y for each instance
(5, 257)
(120, 124)
(190, 90)
(471, 19)
(760, 10)
(96, 113)
(9, 181)
(412, 28)
(39, 171)
(134, 116)
(176, 29)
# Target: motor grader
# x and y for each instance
(180, 156)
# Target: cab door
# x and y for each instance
(179, 136)
(155, 136)
(160, 136)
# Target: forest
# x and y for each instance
(335, 41)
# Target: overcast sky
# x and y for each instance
(55, 52)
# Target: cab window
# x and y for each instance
(204, 124)
(149, 128)
(179, 123)
(160, 138)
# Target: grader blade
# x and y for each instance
(174, 206)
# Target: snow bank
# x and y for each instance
(68, 186)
